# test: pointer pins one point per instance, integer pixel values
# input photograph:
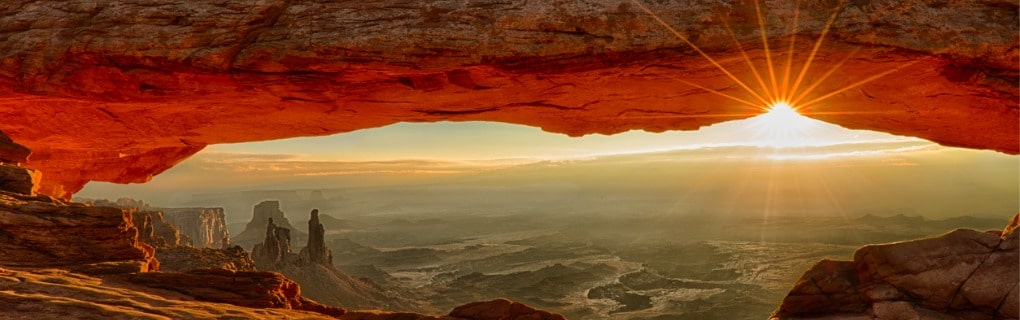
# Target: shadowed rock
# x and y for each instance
(963, 274)
(121, 91)
(316, 251)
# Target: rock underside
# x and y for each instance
(115, 91)
(963, 274)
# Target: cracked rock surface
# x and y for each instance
(122, 90)
(964, 274)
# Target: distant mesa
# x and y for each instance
(255, 231)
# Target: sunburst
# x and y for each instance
(777, 91)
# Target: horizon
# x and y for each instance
(791, 146)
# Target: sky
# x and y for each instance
(779, 150)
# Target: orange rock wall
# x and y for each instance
(113, 91)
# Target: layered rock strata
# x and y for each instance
(182, 259)
(155, 231)
(963, 274)
(114, 91)
(43, 232)
(242, 288)
(206, 227)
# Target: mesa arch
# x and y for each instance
(118, 92)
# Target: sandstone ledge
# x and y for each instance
(963, 274)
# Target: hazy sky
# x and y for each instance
(775, 151)
(490, 140)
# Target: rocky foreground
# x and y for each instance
(964, 274)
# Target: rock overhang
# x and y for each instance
(120, 92)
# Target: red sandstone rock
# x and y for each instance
(11, 152)
(963, 274)
(43, 232)
(206, 227)
(249, 289)
(115, 91)
(154, 230)
(19, 179)
(183, 259)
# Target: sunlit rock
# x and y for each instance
(102, 97)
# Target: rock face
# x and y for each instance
(316, 251)
(154, 230)
(206, 227)
(249, 289)
(19, 179)
(52, 293)
(12, 153)
(963, 274)
(80, 82)
(43, 232)
(313, 269)
(255, 230)
(183, 259)
(274, 250)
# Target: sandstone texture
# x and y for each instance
(59, 294)
(248, 289)
(12, 153)
(120, 91)
(43, 232)
(154, 230)
(205, 227)
(963, 274)
(182, 259)
(19, 179)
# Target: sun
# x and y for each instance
(782, 126)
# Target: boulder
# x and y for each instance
(963, 274)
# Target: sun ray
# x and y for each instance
(786, 94)
(683, 116)
(768, 54)
(824, 77)
(818, 44)
(693, 46)
(860, 83)
(717, 92)
(754, 70)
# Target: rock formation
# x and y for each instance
(249, 289)
(13, 177)
(43, 232)
(206, 227)
(183, 259)
(154, 230)
(12, 153)
(316, 251)
(53, 293)
(119, 92)
(255, 230)
(274, 250)
(963, 274)
(313, 269)
(19, 179)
